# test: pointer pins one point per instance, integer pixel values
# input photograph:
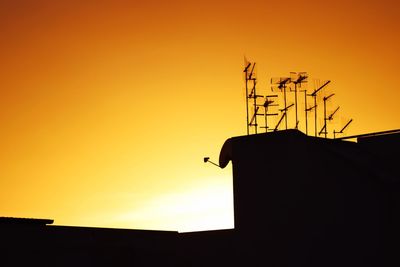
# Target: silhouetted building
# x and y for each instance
(306, 201)
(41, 245)
(298, 201)
(10, 221)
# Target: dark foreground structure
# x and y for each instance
(299, 201)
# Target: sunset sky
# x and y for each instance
(108, 107)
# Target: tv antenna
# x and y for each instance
(341, 131)
(284, 115)
(247, 78)
(297, 78)
(268, 103)
(314, 95)
(281, 84)
(250, 77)
(253, 95)
(306, 108)
(327, 118)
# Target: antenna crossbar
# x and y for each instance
(320, 88)
(330, 117)
(254, 118)
(286, 108)
(279, 122)
(342, 130)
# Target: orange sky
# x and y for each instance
(108, 107)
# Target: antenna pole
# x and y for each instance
(325, 117)
(315, 114)
(279, 122)
(254, 118)
(266, 105)
(306, 110)
(326, 130)
(255, 107)
(295, 103)
(314, 94)
(284, 96)
(247, 96)
(265, 114)
(299, 78)
(284, 115)
(247, 104)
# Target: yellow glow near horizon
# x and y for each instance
(193, 210)
(107, 109)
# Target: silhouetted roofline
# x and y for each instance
(226, 153)
(24, 221)
(397, 131)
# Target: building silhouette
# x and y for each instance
(298, 201)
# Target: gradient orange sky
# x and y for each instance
(108, 107)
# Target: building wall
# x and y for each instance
(81, 246)
(305, 201)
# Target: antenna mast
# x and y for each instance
(341, 131)
(298, 79)
(268, 103)
(330, 117)
(247, 75)
(250, 77)
(306, 109)
(281, 84)
(284, 115)
(314, 95)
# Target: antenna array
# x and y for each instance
(279, 104)
(269, 103)
(297, 78)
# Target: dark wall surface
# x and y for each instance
(81, 246)
(305, 201)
